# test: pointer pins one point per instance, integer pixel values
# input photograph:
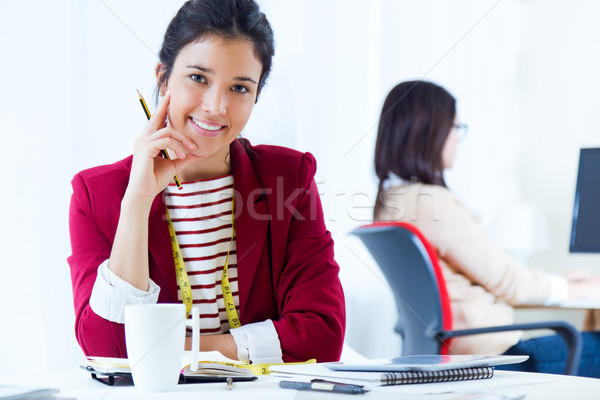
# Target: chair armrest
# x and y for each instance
(568, 333)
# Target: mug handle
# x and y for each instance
(195, 325)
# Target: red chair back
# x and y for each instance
(387, 241)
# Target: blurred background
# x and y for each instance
(524, 74)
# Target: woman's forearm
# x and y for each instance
(224, 344)
(129, 255)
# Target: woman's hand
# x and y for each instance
(587, 288)
(222, 343)
(150, 172)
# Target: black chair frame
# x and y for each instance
(409, 264)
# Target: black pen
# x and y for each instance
(323, 386)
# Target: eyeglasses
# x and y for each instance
(461, 131)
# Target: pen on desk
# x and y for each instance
(323, 386)
(163, 152)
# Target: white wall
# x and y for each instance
(524, 74)
(35, 126)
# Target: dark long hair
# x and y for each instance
(416, 119)
(228, 19)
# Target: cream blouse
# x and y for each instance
(482, 280)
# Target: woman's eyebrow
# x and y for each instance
(212, 72)
(244, 79)
(203, 69)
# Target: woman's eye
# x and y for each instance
(198, 78)
(240, 89)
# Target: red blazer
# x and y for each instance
(286, 270)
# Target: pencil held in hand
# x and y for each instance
(163, 152)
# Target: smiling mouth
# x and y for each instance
(206, 129)
(207, 126)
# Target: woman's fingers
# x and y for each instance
(169, 131)
(157, 120)
(167, 138)
(150, 173)
(578, 275)
(168, 143)
(156, 127)
(176, 135)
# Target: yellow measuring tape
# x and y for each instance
(182, 277)
(256, 369)
(184, 281)
(232, 315)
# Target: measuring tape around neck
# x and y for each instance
(180, 271)
(232, 315)
(184, 281)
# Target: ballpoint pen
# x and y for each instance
(324, 386)
(163, 152)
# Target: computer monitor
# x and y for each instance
(585, 231)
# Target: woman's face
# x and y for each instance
(449, 150)
(213, 87)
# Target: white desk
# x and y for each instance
(578, 304)
(570, 304)
(77, 384)
(591, 320)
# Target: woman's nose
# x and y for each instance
(215, 101)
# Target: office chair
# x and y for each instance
(410, 264)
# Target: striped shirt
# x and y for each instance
(201, 213)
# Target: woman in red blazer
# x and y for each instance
(214, 61)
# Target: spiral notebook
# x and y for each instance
(429, 363)
(401, 370)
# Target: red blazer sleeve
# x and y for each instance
(311, 301)
(90, 247)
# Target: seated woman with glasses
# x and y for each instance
(418, 135)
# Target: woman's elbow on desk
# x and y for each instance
(99, 337)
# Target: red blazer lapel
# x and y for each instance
(251, 220)
(162, 265)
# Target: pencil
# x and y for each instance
(163, 152)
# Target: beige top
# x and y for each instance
(482, 280)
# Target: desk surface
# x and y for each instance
(77, 384)
(578, 304)
(575, 304)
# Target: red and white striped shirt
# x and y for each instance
(201, 213)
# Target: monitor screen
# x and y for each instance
(585, 232)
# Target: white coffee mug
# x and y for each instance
(155, 339)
